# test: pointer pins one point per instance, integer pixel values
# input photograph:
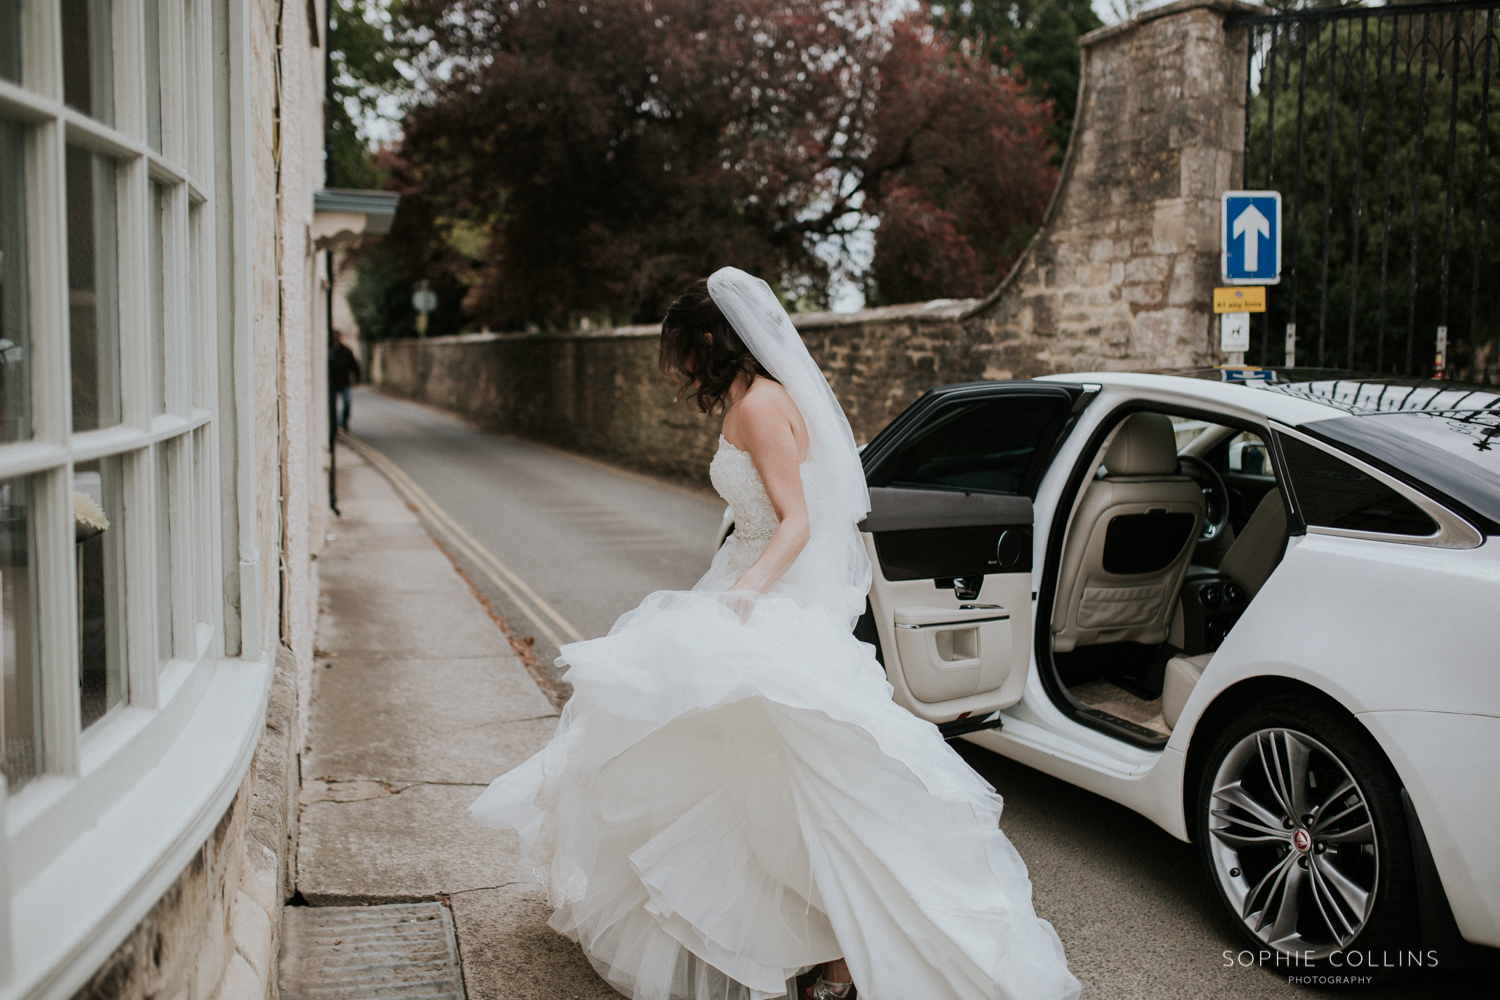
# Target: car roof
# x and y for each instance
(1241, 396)
(1295, 403)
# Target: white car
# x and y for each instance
(1264, 616)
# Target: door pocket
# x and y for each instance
(947, 653)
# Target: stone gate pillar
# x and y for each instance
(1121, 273)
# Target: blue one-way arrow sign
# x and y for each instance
(1250, 237)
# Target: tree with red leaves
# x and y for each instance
(591, 158)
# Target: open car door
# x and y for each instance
(950, 535)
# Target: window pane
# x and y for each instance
(1334, 494)
(203, 528)
(163, 555)
(98, 504)
(15, 324)
(1187, 429)
(10, 40)
(20, 692)
(88, 67)
(93, 288)
(1247, 455)
(153, 73)
(159, 201)
(199, 355)
(984, 447)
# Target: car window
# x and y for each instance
(1187, 430)
(1456, 452)
(987, 446)
(1334, 494)
(1247, 455)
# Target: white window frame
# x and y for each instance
(89, 845)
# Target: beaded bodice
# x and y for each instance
(736, 479)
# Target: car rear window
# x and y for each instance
(1331, 493)
(1455, 453)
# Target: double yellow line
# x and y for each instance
(541, 614)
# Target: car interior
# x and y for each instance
(1175, 530)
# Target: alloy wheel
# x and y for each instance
(1294, 843)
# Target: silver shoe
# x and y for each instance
(824, 990)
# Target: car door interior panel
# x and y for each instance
(950, 535)
(949, 553)
(948, 653)
(950, 658)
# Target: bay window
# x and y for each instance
(126, 718)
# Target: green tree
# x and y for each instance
(367, 81)
(1037, 39)
(1363, 252)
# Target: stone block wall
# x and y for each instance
(215, 933)
(601, 393)
(1120, 276)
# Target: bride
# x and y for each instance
(732, 798)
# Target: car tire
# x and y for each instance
(1300, 824)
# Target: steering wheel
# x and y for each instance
(1215, 495)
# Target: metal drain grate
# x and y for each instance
(404, 951)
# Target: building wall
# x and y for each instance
(1120, 276)
(215, 934)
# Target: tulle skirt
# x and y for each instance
(726, 804)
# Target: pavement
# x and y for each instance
(418, 701)
(588, 540)
(424, 692)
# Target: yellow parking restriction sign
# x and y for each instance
(1244, 299)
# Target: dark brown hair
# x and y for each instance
(701, 352)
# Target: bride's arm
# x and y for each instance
(767, 432)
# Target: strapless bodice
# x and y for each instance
(738, 481)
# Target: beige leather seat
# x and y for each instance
(1130, 542)
(1249, 563)
(1182, 673)
(1258, 548)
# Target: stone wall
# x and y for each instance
(1120, 276)
(602, 394)
(215, 933)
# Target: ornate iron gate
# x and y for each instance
(1374, 124)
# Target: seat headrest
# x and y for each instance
(1146, 445)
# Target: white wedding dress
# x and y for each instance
(727, 803)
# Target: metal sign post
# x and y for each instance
(1249, 254)
(424, 300)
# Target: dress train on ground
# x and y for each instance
(726, 804)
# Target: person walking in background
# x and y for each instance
(343, 373)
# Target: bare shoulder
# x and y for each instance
(767, 404)
(768, 397)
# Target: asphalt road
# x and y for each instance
(1133, 907)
